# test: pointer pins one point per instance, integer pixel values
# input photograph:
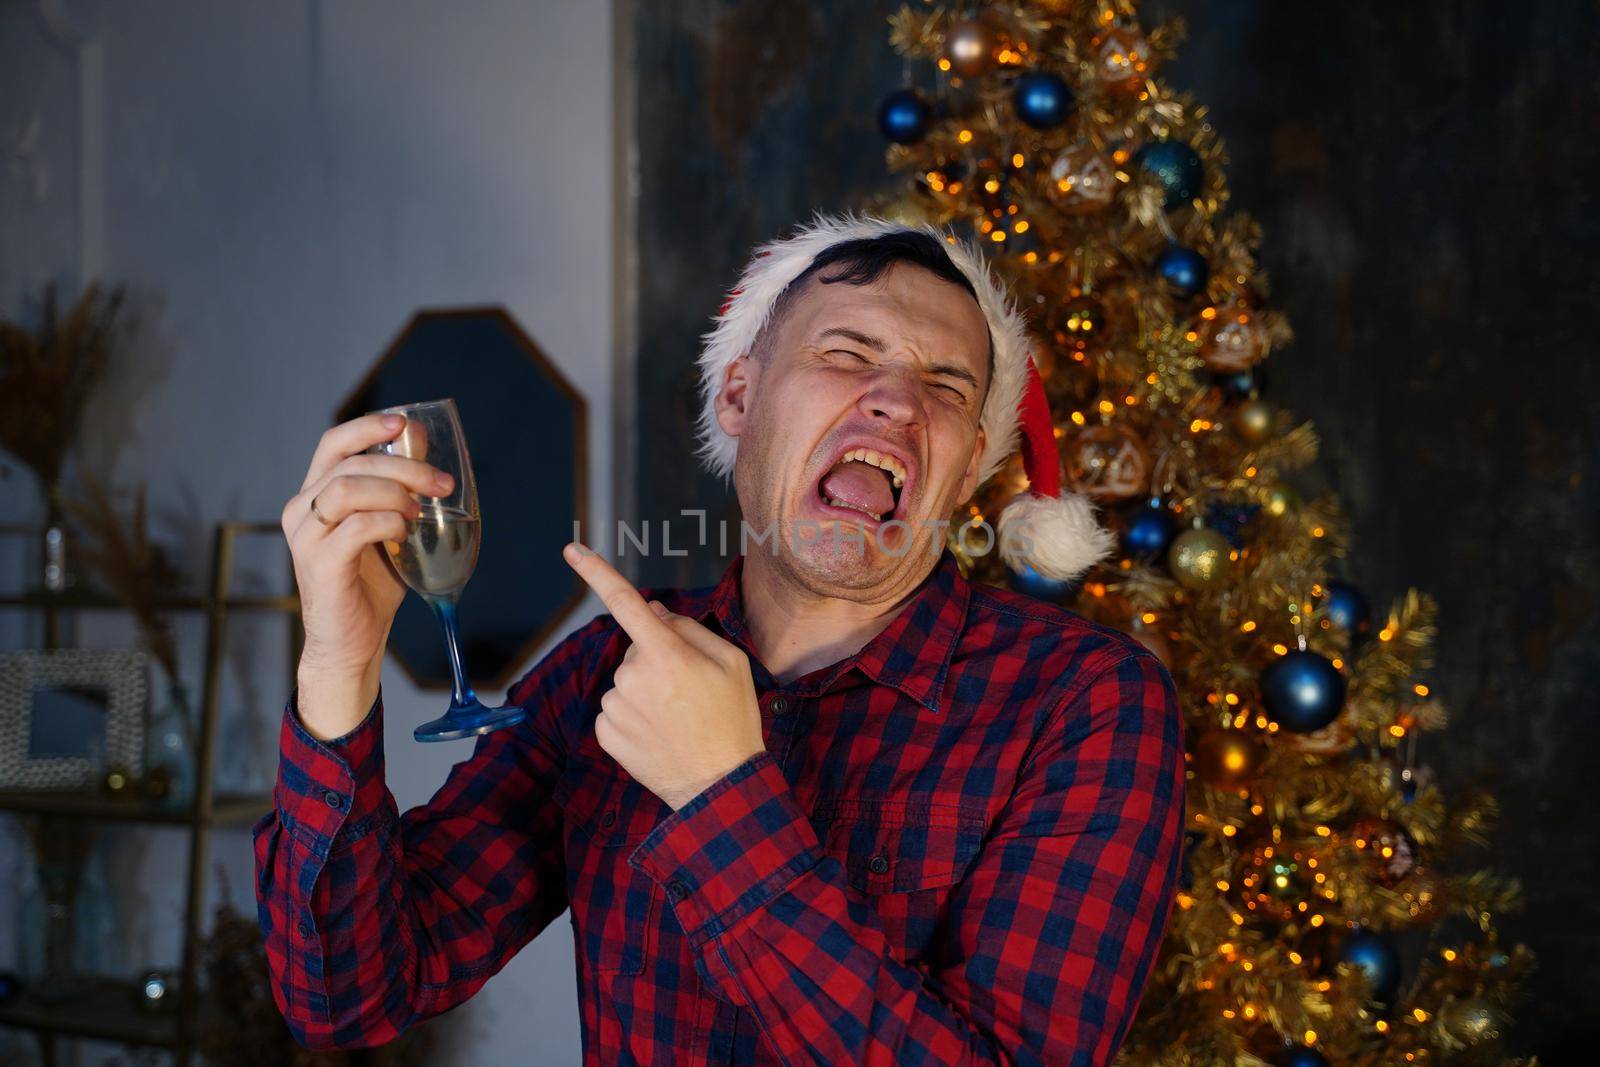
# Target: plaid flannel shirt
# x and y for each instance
(960, 846)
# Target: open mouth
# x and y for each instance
(866, 482)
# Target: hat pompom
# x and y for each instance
(1054, 532)
(1059, 536)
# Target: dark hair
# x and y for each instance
(863, 261)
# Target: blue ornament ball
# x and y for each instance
(1349, 608)
(903, 116)
(1176, 166)
(1302, 691)
(1036, 585)
(1242, 383)
(1184, 269)
(1376, 955)
(1042, 99)
(1149, 532)
(1300, 1056)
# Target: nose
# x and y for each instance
(894, 397)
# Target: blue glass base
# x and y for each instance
(469, 721)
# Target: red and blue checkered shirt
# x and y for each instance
(960, 846)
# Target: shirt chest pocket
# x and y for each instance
(607, 814)
(905, 857)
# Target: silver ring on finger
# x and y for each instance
(319, 516)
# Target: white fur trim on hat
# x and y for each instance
(777, 263)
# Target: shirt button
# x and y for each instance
(878, 864)
(779, 704)
(304, 928)
(334, 799)
(677, 890)
(608, 818)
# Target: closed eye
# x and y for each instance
(847, 352)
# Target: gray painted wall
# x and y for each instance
(286, 183)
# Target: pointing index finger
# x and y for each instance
(635, 617)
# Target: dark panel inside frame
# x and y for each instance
(525, 428)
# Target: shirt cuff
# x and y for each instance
(331, 792)
(731, 849)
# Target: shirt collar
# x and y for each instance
(912, 653)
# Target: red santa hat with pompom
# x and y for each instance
(1054, 532)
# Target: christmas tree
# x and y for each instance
(1326, 914)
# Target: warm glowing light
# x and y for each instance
(1107, 407)
(1317, 920)
(1031, 257)
(1295, 958)
(944, 64)
(1311, 1035)
(1421, 1015)
(1021, 225)
(1231, 698)
(1208, 314)
(1382, 1026)
(1420, 690)
(1229, 831)
(1016, 159)
(965, 136)
(1222, 887)
(1248, 626)
(1281, 650)
(1317, 531)
(1397, 731)
(1449, 954)
(997, 236)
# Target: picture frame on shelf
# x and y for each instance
(67, 714)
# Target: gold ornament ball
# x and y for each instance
(1086, 181)
(969, 46)
(1280, 500)
(1227, 758)
(1156, 642)
(1253, 420)
(1108, 463)
(1123, 59)
(1387, 849)
(1471, 1020)
(1233, 337)
(1079, 322)
(1198, 559)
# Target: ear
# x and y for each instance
(969, 478)
(736, 394)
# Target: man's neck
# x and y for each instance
(794, 630)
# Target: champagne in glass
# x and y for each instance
(439, 553)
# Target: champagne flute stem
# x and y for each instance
(461, 694)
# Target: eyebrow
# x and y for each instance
(868, 341)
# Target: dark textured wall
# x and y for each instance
(1423, 174)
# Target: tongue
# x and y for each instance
(861, 485)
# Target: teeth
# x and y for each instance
(852, 507)
(877, 459)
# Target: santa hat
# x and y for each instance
(1053, 532)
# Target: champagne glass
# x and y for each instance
(439, 553)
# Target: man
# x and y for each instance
(843, 807)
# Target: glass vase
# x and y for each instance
(169, 749)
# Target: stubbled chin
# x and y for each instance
(846, 547)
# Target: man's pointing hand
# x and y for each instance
(682, 711)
